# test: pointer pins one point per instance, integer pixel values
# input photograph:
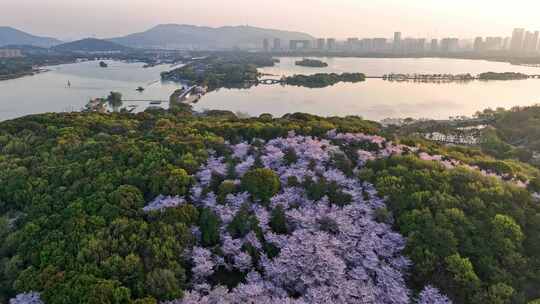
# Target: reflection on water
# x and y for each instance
(373, 99)
(378, 99)
(49, 92)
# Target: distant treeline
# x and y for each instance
(502, 76)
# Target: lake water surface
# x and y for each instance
(48, 92)
(378, 99)
(374, 99)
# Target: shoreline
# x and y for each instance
(25, 74)
(509, 60)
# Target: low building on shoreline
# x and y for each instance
(10, 53)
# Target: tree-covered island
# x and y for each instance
(313, 63)
(230, 70)
(502, 76)
(322, 80)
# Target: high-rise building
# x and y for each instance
(304, 45)
(365, 45)
(379, 45)
(331, 44)
(353, 44)
(293, 45)
(320, 43)
(518, 37)
(493, 44)
(266, 45)
(397, 42)
(449, 45)
(506, 43)
(530, 43)
(277, 44)
(420, 45)
(536, 37)
(413, 45)
(434, 47)
(478, 44)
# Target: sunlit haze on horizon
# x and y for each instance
(72, 19)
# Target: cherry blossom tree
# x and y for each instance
(27, 298)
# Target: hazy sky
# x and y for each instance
(336, 18)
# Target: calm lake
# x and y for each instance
(374, 99)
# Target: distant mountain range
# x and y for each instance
(168, 36)
(11, 36)
(175, 36)
(90, 45)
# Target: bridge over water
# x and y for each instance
(182, 95)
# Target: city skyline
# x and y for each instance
(321, 18)
(521, 42)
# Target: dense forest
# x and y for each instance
(209, 208)
(514, 128)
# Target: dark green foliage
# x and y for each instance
(382, 215)
(128, 199)
(243, 222)
(271, 250)
(464, 281)
(343, 163)
(72, 188)
(513, 133)
(497, 167)
(502, 76)
(336, 196)
(474, 236)
(329, 225)
(115, 99)
(262, 184)
(321, 80)
(290, 156)
(278, 220)
(534, 185)
(316, 190)
(311, 63)
(170, 181)
(231, 279)
(226, 187)
(163, 284)
(292, 181)
(231, 70)
(253, 252)
(209, 224)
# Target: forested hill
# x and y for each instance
(167, 206)
(182, 36)
(12, 36)
(90, 45)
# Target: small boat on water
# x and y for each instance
(140, 89)
(155, 102)
(103, 64)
